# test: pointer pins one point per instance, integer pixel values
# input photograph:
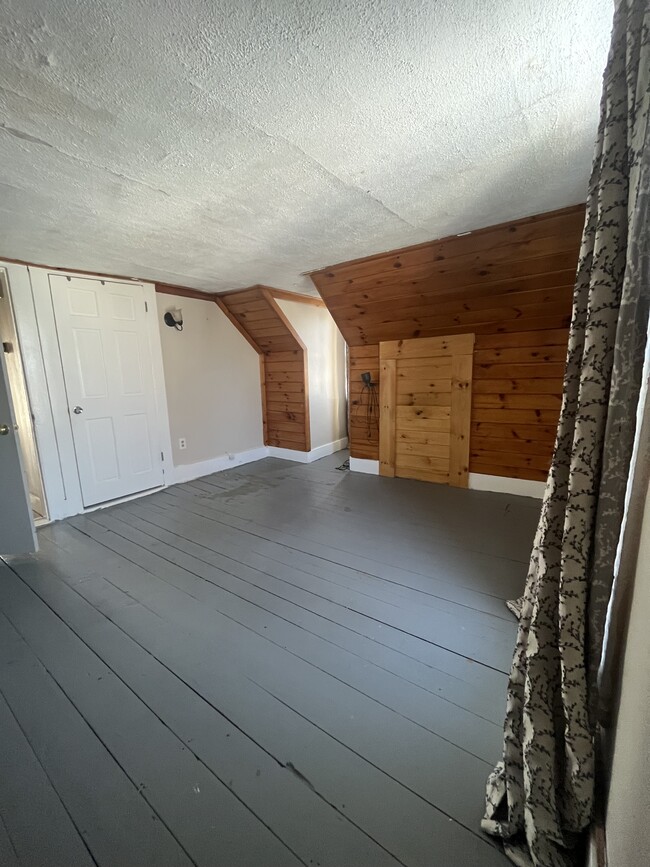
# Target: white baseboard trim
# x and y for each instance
(188, 472)
(289, 455)
(477, 481)
(504, 485)
(328, 449)
(362, 465)
(308, 457)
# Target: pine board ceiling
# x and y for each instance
(219, 144)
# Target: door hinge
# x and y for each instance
(162, 456)
(146, 307)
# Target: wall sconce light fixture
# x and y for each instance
(174, 318)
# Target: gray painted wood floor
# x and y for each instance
(278, 665)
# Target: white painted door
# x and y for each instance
(17, 535)
(107, 367)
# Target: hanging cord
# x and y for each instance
(370, 398)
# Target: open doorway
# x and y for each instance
(21, 404)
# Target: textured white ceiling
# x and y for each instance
(216, 144)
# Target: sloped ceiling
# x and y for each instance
(219, 144)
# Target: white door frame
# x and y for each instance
(17, 531)
(34, 369)
(37, 332)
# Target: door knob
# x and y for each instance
(78, 410)
(4, 430)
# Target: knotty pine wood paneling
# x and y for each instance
(363, 428)
(283, 366)
(511, 285)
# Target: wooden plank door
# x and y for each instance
(425, 393)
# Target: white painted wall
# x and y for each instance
(212, 381)
(627, 650)
(628, 808)
(326, 368)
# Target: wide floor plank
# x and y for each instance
(289, 627)
(336, 709)
(276, 795)
(38, 829)
(183, 792)
(110, 810)
(279, 664)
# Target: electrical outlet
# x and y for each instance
(182, 443)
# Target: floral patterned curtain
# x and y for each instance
(540, 796)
